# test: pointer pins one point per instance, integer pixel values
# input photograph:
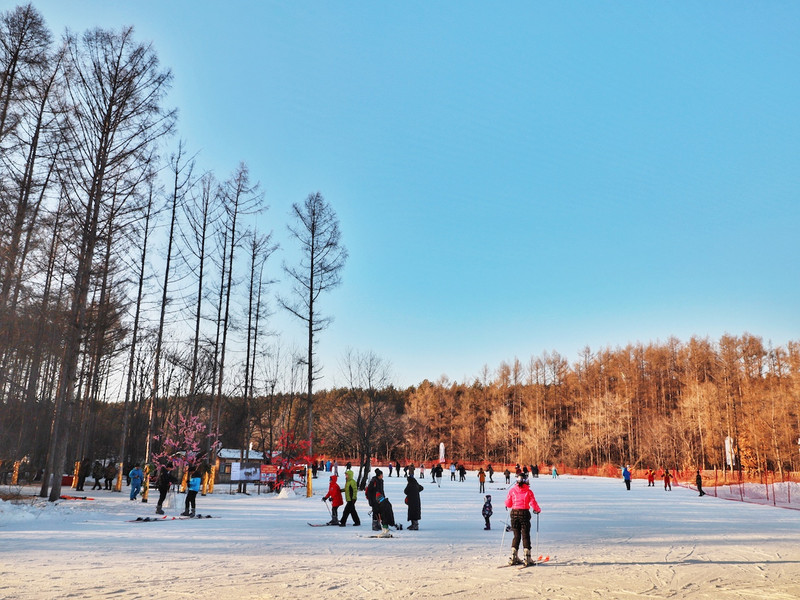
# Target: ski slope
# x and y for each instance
(604, 542)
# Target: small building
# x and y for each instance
(227, 456)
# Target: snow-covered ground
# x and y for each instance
(604, 542)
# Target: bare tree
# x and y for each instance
(316, 229)
(115, 89)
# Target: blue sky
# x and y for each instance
(511, 178)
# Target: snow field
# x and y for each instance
(604, 542)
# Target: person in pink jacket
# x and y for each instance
(335, 496)
(521, 501)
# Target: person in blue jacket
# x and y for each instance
(191, 492)
(626, 476)
(137, 476)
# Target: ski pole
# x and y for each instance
(537, 535)
(502, 539)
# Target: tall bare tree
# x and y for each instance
(316, 229)
(115, 89)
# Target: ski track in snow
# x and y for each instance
(604, 542)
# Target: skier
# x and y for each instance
(487, 511)
(520, 498)
(335, 496)
(412, 490)
(350, 495)
(374, 488)
(699, 481)
(137, 476)
(163, 484)
(626, 476)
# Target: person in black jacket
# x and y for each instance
(163, 484)
(413, 488)
(374, 488)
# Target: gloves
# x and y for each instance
(325, 499)
(536, 512)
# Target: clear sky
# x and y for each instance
(511, 178)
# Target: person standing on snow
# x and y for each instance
(520, 499)
(481, 480)
(335, 496)
(137, 476)
(350, 496)
(163, 484)
(699, 482)
(487, 511)
(667, 481)
(412, 490)
(374, 488)
(626, 476)
(192, 487)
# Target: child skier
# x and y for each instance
(520, 498)
(487, 511)
(335, 496)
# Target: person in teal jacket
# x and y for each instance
(191, 492)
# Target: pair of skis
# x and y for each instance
(522, 565)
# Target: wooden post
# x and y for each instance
(309, 487)
(15, 474)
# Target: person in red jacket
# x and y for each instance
(335, 496)
(521, 501)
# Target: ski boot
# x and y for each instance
(385, 532)
(159, 511)
(528, 560)
(414, 525)
(514, 560)
(185, 513)
(376, 525)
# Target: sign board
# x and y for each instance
(269, 473)
(245, 471)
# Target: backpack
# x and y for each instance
(370, 491)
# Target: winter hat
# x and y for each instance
(488, 497)
(378, 472)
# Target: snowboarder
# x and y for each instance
(626, 476)
(163, 484)
(487, 511)
(520, 498)
(374, 488)
(412, 490)
(350, 496)
(699, 481)
(335, 496)
(137, 476)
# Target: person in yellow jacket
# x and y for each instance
(350, 496)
